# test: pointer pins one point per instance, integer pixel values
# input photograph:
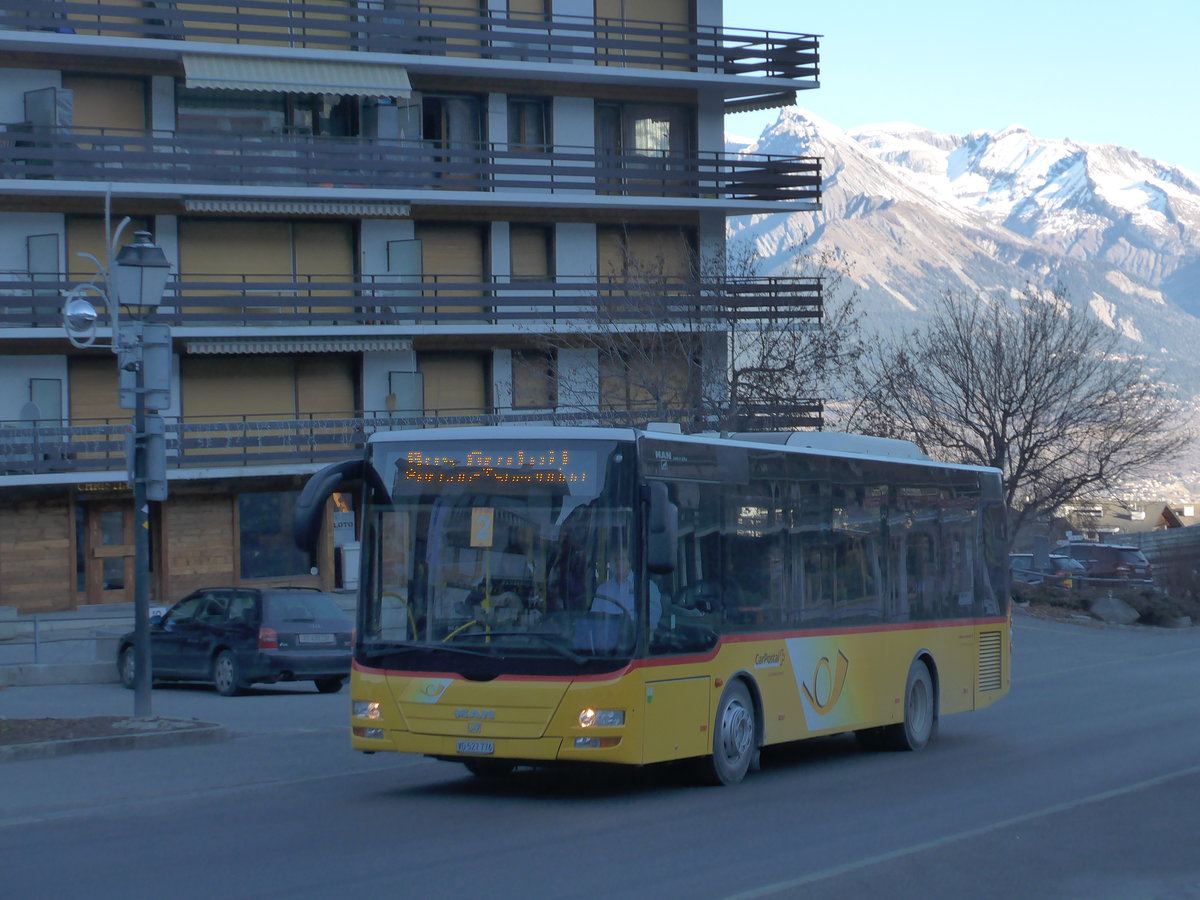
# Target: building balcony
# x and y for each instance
(425, 31)
(60, 452)
(61, 161)
(209, 303)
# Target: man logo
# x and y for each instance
(827, 683)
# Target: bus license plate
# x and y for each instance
(478, 747)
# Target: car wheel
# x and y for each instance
(226, 675)
(127, 666)
(734, 736)
(328, 685)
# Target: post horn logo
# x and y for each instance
(827, 683)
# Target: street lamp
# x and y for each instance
(136, 280)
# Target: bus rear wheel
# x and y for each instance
(734, 736)
(920, 716)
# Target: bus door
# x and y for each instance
(676, 719)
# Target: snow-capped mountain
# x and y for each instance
(919, 212)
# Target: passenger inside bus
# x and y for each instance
(505, 594)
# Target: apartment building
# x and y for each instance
(377, 214)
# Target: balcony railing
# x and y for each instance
(389, 300)
(51, 448)
(391, 27)
(365, 165)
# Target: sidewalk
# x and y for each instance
(77, 646)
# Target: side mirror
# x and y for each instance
(310, 505)
(662, 535)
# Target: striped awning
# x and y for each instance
(245, 346)
(763, 101)
(295, 76)
(298, 207)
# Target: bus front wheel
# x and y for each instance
(734, 736)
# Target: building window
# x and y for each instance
(641, 129)
(256, 113)
(265, 536)
(531, 252)
(529, 10)
(448, 121)
(528, 123)
(534, 380)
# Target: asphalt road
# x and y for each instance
(1083, 783)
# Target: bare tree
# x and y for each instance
(777, 362)
(717, 345)
(1037, 389)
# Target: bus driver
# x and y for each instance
(615, 596)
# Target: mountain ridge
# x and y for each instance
(919, 213)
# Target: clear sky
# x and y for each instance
(1096, 71)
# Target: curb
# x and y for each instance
(204, 733)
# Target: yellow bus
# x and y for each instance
(536, 595)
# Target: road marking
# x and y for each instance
(778, 887)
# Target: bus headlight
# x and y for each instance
(603, 717)
(366, 709)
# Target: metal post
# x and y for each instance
(141, 553)
(136, 278)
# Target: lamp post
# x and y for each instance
(135, 280)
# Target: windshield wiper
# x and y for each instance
(421, 647)
(548, 639)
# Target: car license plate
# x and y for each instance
(315, 638)
(478, 747)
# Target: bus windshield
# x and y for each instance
(509, 557)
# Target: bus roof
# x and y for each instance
(532, 432)
(831, 442)
(837, 442)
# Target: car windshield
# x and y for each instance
(487, 559)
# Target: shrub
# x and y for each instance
(1050, 595)
(1154, 606)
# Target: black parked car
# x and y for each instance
(235, 637)
(1110, 562)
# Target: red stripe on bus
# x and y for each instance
(691, 659)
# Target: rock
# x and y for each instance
(1118, 612)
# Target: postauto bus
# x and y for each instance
(536, 594)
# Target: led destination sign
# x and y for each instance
(510, 466)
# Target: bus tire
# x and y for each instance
(920, 711)
(920, 716)
(735, 745)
